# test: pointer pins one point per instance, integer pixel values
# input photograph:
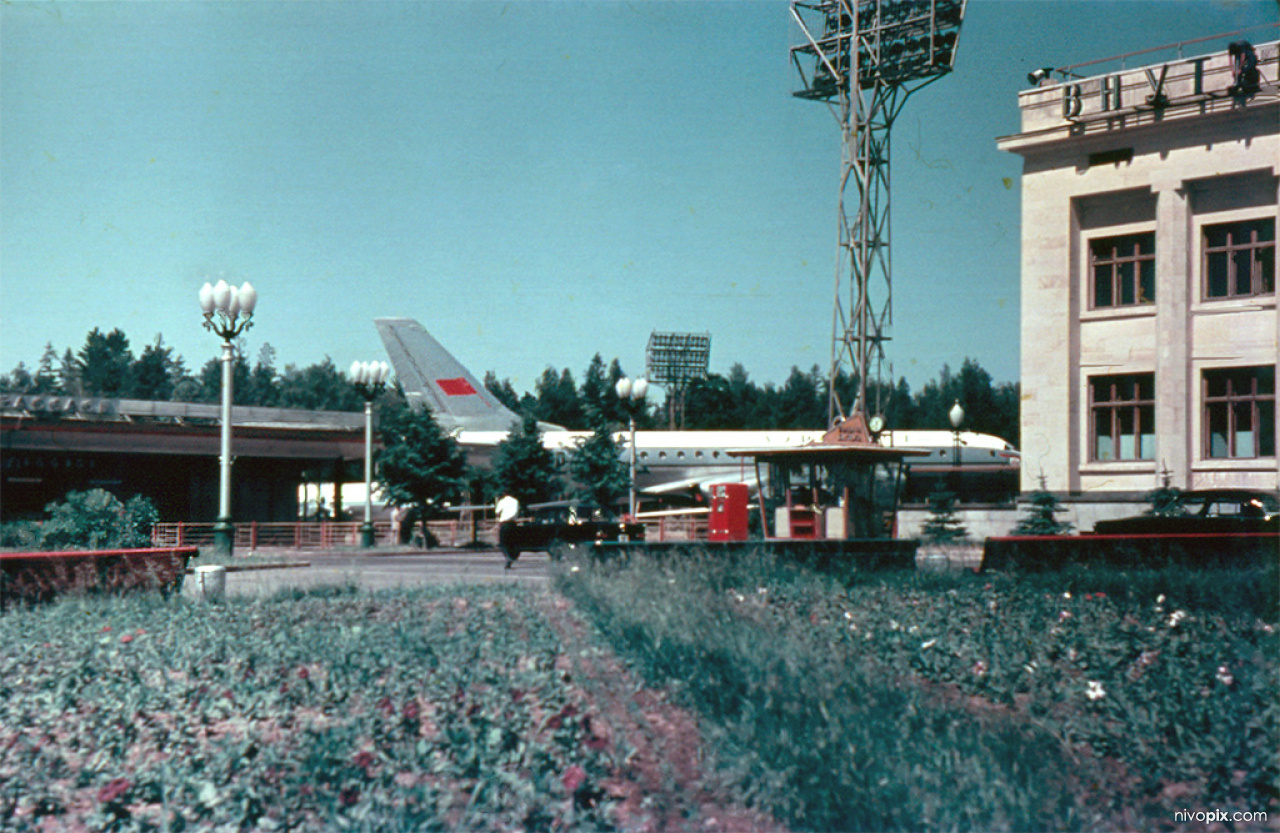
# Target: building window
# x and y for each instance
(1123, 410)
(1240, 412)
(1124, 270)
(1240, 259)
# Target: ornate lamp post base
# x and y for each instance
(224, 537)
(366, 535)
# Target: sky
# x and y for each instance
(535, 181)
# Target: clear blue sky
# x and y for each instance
(534, 181)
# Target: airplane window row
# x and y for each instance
(680, 455)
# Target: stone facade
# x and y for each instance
(1149, 324)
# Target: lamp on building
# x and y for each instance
(228, 312)
(370, 379)
(631, 394)
(1038, 77)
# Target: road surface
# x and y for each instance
(382, 571)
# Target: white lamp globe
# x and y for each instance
(956, 415)
(623, 387)
(639, 389)
(248, 298)
(221, 296)
(354, 373)
(206, 298)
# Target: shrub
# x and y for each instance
(96, 519)
(20, 535)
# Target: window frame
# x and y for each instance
(1141, 413)
(1259, 403)
(1232, 249)
(1135, 258)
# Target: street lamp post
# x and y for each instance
(370, 379)
(228, 312)
(956, 415)
(631, 394)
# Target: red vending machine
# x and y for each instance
(729, 512)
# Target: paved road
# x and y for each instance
(377, 572)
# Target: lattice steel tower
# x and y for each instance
(863, 58)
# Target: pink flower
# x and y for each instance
(573, 779)
(114, 790)
(127, 638)
(303, 673)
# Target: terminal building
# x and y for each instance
(1149, 325)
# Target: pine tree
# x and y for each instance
(599, 474)
(420, 465)
(1042, 520)
(46, 380)
(523, 467)
(943, 527)
(151, 376)
(1166, 501)
(104, 363)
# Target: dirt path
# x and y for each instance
(663, 785)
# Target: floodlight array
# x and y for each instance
(677, 358)
(895, 42)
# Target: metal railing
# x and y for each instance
(310, 535)
(322, 535)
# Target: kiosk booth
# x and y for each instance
(843, 488)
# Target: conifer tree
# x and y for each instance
(523, 467)
(1044, 509)
(943, 527)
(420, 465)
(1166, 501)
(599, 474)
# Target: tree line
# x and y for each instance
(107, 366)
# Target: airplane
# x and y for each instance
(669, 464)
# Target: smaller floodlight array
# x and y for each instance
(369, 377)
(228, 309)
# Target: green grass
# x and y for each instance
(436, 709)
(931, 701)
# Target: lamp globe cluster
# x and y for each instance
(233, 306)
(369, 375)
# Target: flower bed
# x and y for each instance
(435, 709)
(39, 576)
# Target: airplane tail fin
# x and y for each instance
(433, 378)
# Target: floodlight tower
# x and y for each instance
(864, 58)
(677, 360)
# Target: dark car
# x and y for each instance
(549, 527)
(1208, 512)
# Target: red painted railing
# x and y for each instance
(310, 535)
